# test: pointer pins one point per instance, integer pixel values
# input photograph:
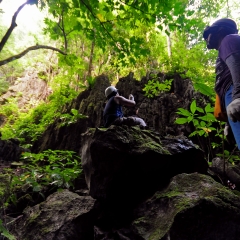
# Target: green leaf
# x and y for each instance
(195, 122)
(208, 108)
(184, 112)
(201, 132)
(200, 110)
(190, 118)
(203, 88)
(193, 106)
(181, 120)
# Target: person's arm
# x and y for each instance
(124, 102)
(233, 63)
(233, 109)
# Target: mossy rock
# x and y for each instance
(124, 163)
(193, 206)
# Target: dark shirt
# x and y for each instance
(112, 111)
(229, 45)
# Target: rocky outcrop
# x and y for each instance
(64, 215)
(191, 206)
(127, 162)
(142, 186)
(158, 112)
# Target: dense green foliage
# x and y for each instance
(42, 172)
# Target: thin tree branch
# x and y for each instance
(64, 34)
(36, 47)
(13, 25)
(61, 26)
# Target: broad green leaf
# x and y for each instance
(200, 110)
(208, 108)
(181, 120)
(183, 112)
(201, 132)
(203, 88)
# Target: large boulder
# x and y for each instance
(193, 206)
(64, 215)
(129, 164)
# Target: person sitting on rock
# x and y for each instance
(113, 114)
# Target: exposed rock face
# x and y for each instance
(127, 162)
(29, 89)
(192, 207)
(64, 215)
(160, 112)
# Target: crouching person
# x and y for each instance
(113, 114)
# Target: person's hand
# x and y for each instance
(233, 110)
(226, 130)
(131, 97)
(229, 134)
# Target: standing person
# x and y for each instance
(113, 114)
(222, 36)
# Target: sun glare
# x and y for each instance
(29, 22)
(28, 18)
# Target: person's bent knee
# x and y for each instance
(140, 122)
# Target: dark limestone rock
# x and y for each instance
(159, 112)
(10, 151)
(64, 215)
(193, 206)
(128, 164)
